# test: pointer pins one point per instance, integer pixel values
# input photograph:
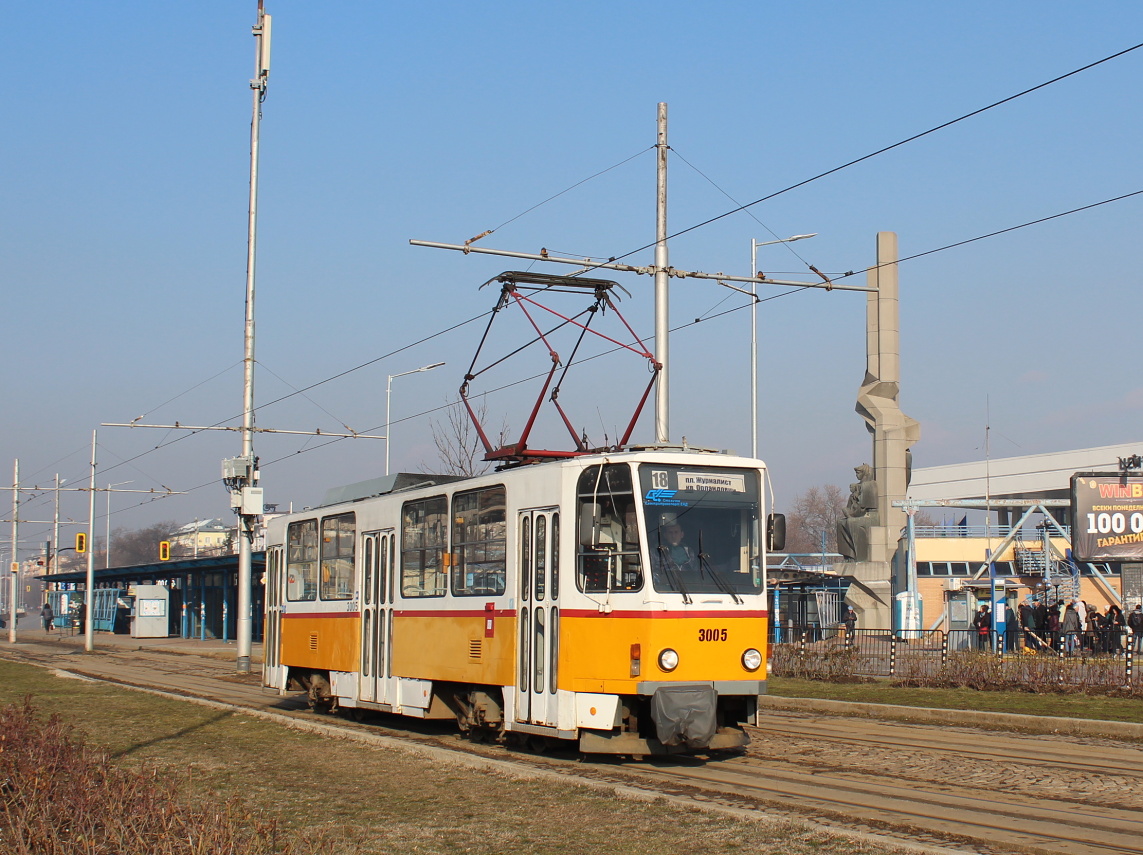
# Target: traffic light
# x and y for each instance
(164, 550)
(81, 541)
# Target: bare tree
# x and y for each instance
(459, 449)
(817, 512)
(813, 514)
(140, 546)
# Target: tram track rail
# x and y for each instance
(924, 787)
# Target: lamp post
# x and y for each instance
(388, 395)
(53, 565)
(754, 244)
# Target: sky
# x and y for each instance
(124, 211)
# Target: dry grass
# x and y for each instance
(1095, 707)
(59, 796)
(373, 800)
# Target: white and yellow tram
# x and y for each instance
(615, 599)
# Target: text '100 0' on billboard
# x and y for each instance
(1107, 517)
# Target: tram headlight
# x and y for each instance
(668, 659)
(751, 659)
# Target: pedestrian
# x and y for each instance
(1113, 625)
(1010, 630)
(982, 623)
(48, 616)
(1094, 637)
(1070, 626)
(1052, 626)
(1032, 639)
(849, 618)
(1135, 624)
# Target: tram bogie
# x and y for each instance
(615, 601)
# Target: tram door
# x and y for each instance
(272, 670)
(538, 616)
(376, 628)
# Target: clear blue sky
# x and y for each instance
(123, 236)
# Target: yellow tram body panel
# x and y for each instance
(328, 642)
(462, 646)
(596, 649)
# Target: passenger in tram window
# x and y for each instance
(676, 549)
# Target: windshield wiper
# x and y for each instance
(704, 561)
(671, 569)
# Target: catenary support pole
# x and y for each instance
(662, 314)
(89, 595)
(15, 566)
(244, 622)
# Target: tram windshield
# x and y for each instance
(702, 528)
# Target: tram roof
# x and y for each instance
(179, 567)
(384, 484)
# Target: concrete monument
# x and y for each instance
(873, 526)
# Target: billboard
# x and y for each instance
(1107, 517)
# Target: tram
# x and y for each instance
(614, 599)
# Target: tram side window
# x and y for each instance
(301, 560)
(424, 535)
(608, 554)
(479, 542)
(337, 538)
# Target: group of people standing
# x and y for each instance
(1080, 625)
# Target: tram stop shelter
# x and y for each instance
(1018, 542)
(201, 601)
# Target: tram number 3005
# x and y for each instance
(712, 635)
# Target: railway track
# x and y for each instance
(914, 784)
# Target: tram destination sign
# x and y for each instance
(1107, 517)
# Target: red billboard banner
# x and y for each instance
(1107, 516)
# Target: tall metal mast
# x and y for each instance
(13, 582)
(89, 597)
(241, 475)
(662, 314)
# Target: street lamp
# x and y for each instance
(754, 333)
(388, 395)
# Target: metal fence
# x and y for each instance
(1101, 660)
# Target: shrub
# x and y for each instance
(60, 797)
(834, 664)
